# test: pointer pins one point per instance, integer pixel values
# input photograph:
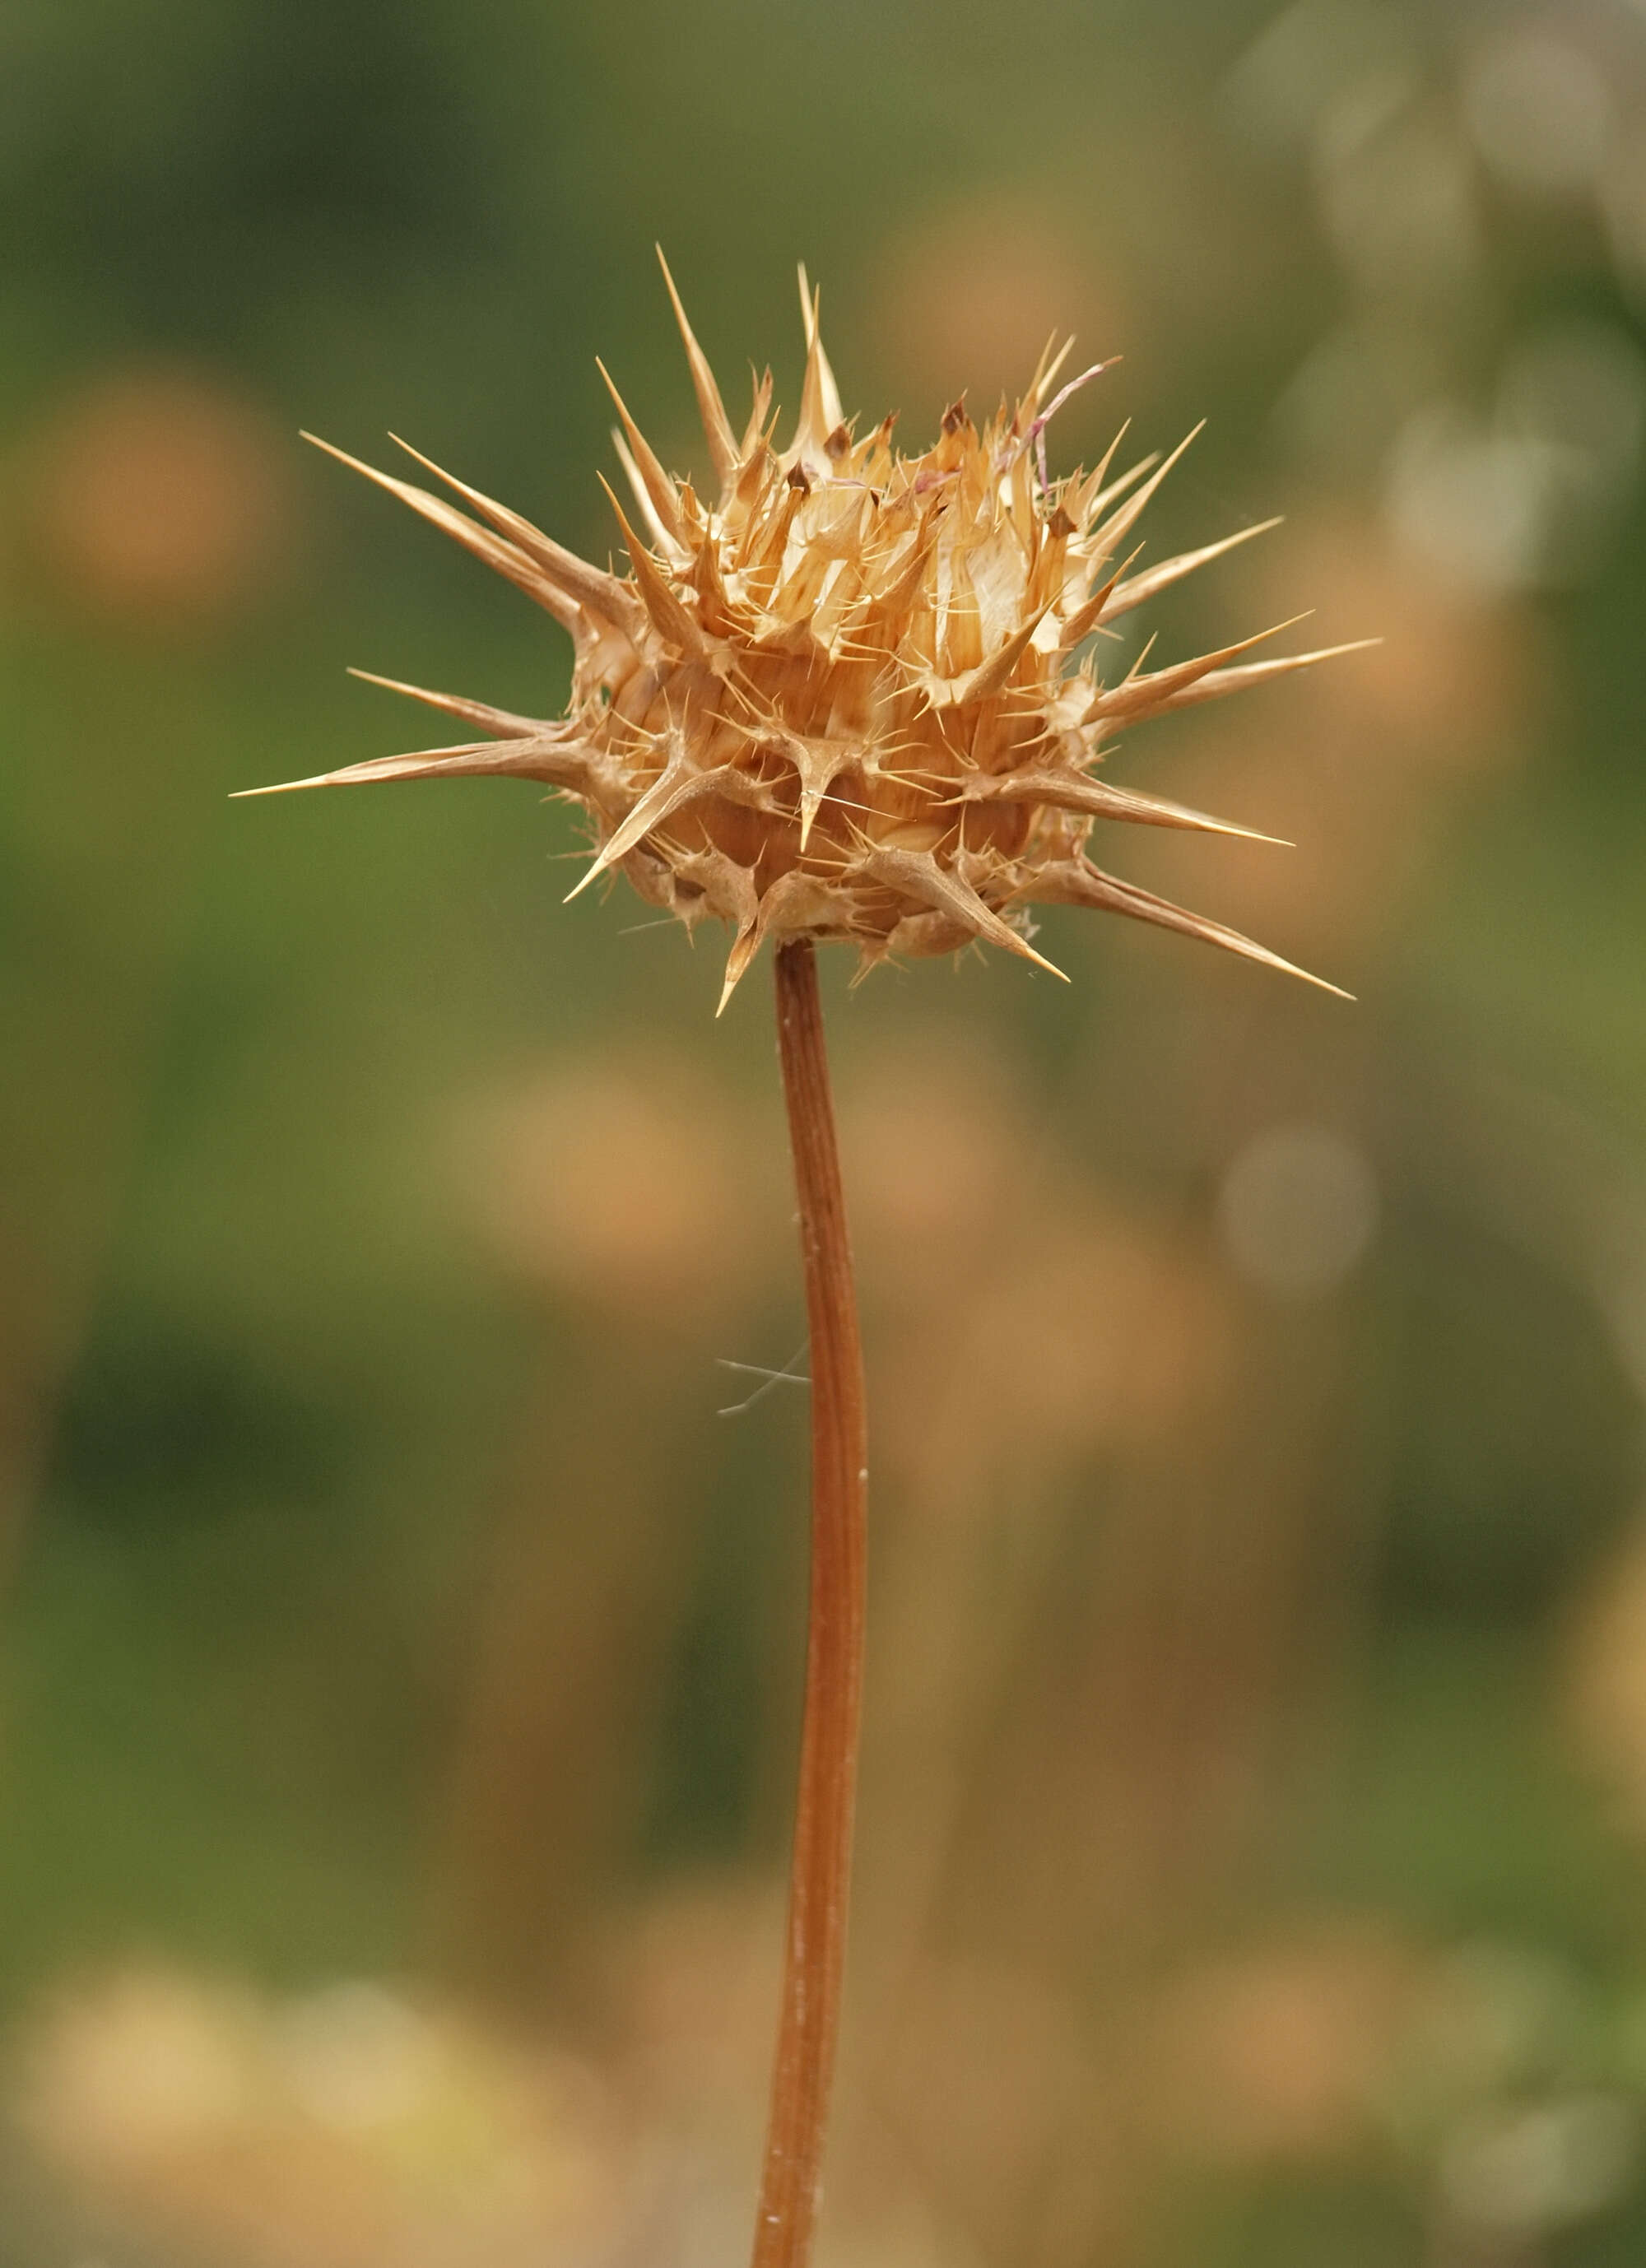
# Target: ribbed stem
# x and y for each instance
(820, 1875)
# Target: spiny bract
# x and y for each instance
(857, 697)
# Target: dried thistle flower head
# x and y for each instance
(852, 699)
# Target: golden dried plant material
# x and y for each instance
(852, 699)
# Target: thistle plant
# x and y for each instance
(856, 697)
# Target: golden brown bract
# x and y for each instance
(857, 697)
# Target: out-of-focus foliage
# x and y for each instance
(397, 1714)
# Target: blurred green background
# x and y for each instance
(402, 1650)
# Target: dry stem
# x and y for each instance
(820, 1876)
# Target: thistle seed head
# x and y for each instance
(857, 696)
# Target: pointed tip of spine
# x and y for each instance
(330, 449)
(990, 677)
(648, 473)
(1218, 682)
(595, 868)
(1126, 592)
(545, 570)
(1126, 516)
(716, 425)
(502, 724)
(1085, 884)
(820, 411)
(919, 874)
(668, 618)
(354, 775)
(744, 948)
(733, 978)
